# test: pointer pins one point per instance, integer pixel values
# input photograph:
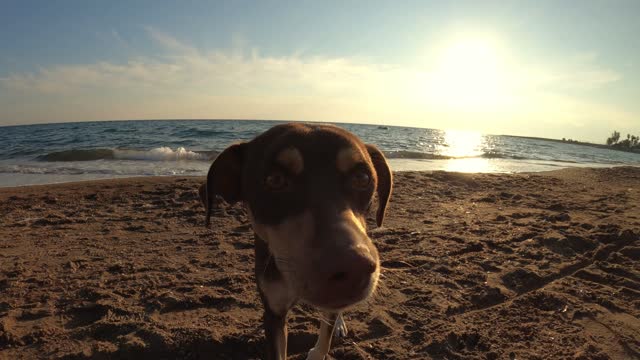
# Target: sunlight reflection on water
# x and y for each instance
(462, 144)
(465, 147)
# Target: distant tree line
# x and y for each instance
(632, 142)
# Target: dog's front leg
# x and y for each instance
(322, 346)
(275, 329)
(277, 298)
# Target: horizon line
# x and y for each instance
(286, 120)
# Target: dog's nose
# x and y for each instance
(349, 276)
(353, 268)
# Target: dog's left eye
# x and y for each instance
(276, 181)
(360, 180)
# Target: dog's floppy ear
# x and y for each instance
(224, 178)
(385, 181)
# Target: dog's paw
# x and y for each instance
(340, 328)
(315, 354)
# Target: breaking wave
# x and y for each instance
(163, 153)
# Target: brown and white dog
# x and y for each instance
(307, 190)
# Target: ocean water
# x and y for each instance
(50, 153)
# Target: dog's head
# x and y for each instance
(307, 189)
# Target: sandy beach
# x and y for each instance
(474, 266)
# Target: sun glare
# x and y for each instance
(464, 147)
(469, 74)
(461, 144)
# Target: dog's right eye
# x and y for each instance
(276, 181)
(360, 180)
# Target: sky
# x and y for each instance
(533, 68)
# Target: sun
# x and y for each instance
(469, 74)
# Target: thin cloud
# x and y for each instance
(578, 72)
(216, 72)
(119, 40)
(169, 42)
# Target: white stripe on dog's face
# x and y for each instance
(291, 159)
(347, 158)
(359, 222)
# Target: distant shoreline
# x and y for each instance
(583, 143)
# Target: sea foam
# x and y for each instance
(163, 153)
